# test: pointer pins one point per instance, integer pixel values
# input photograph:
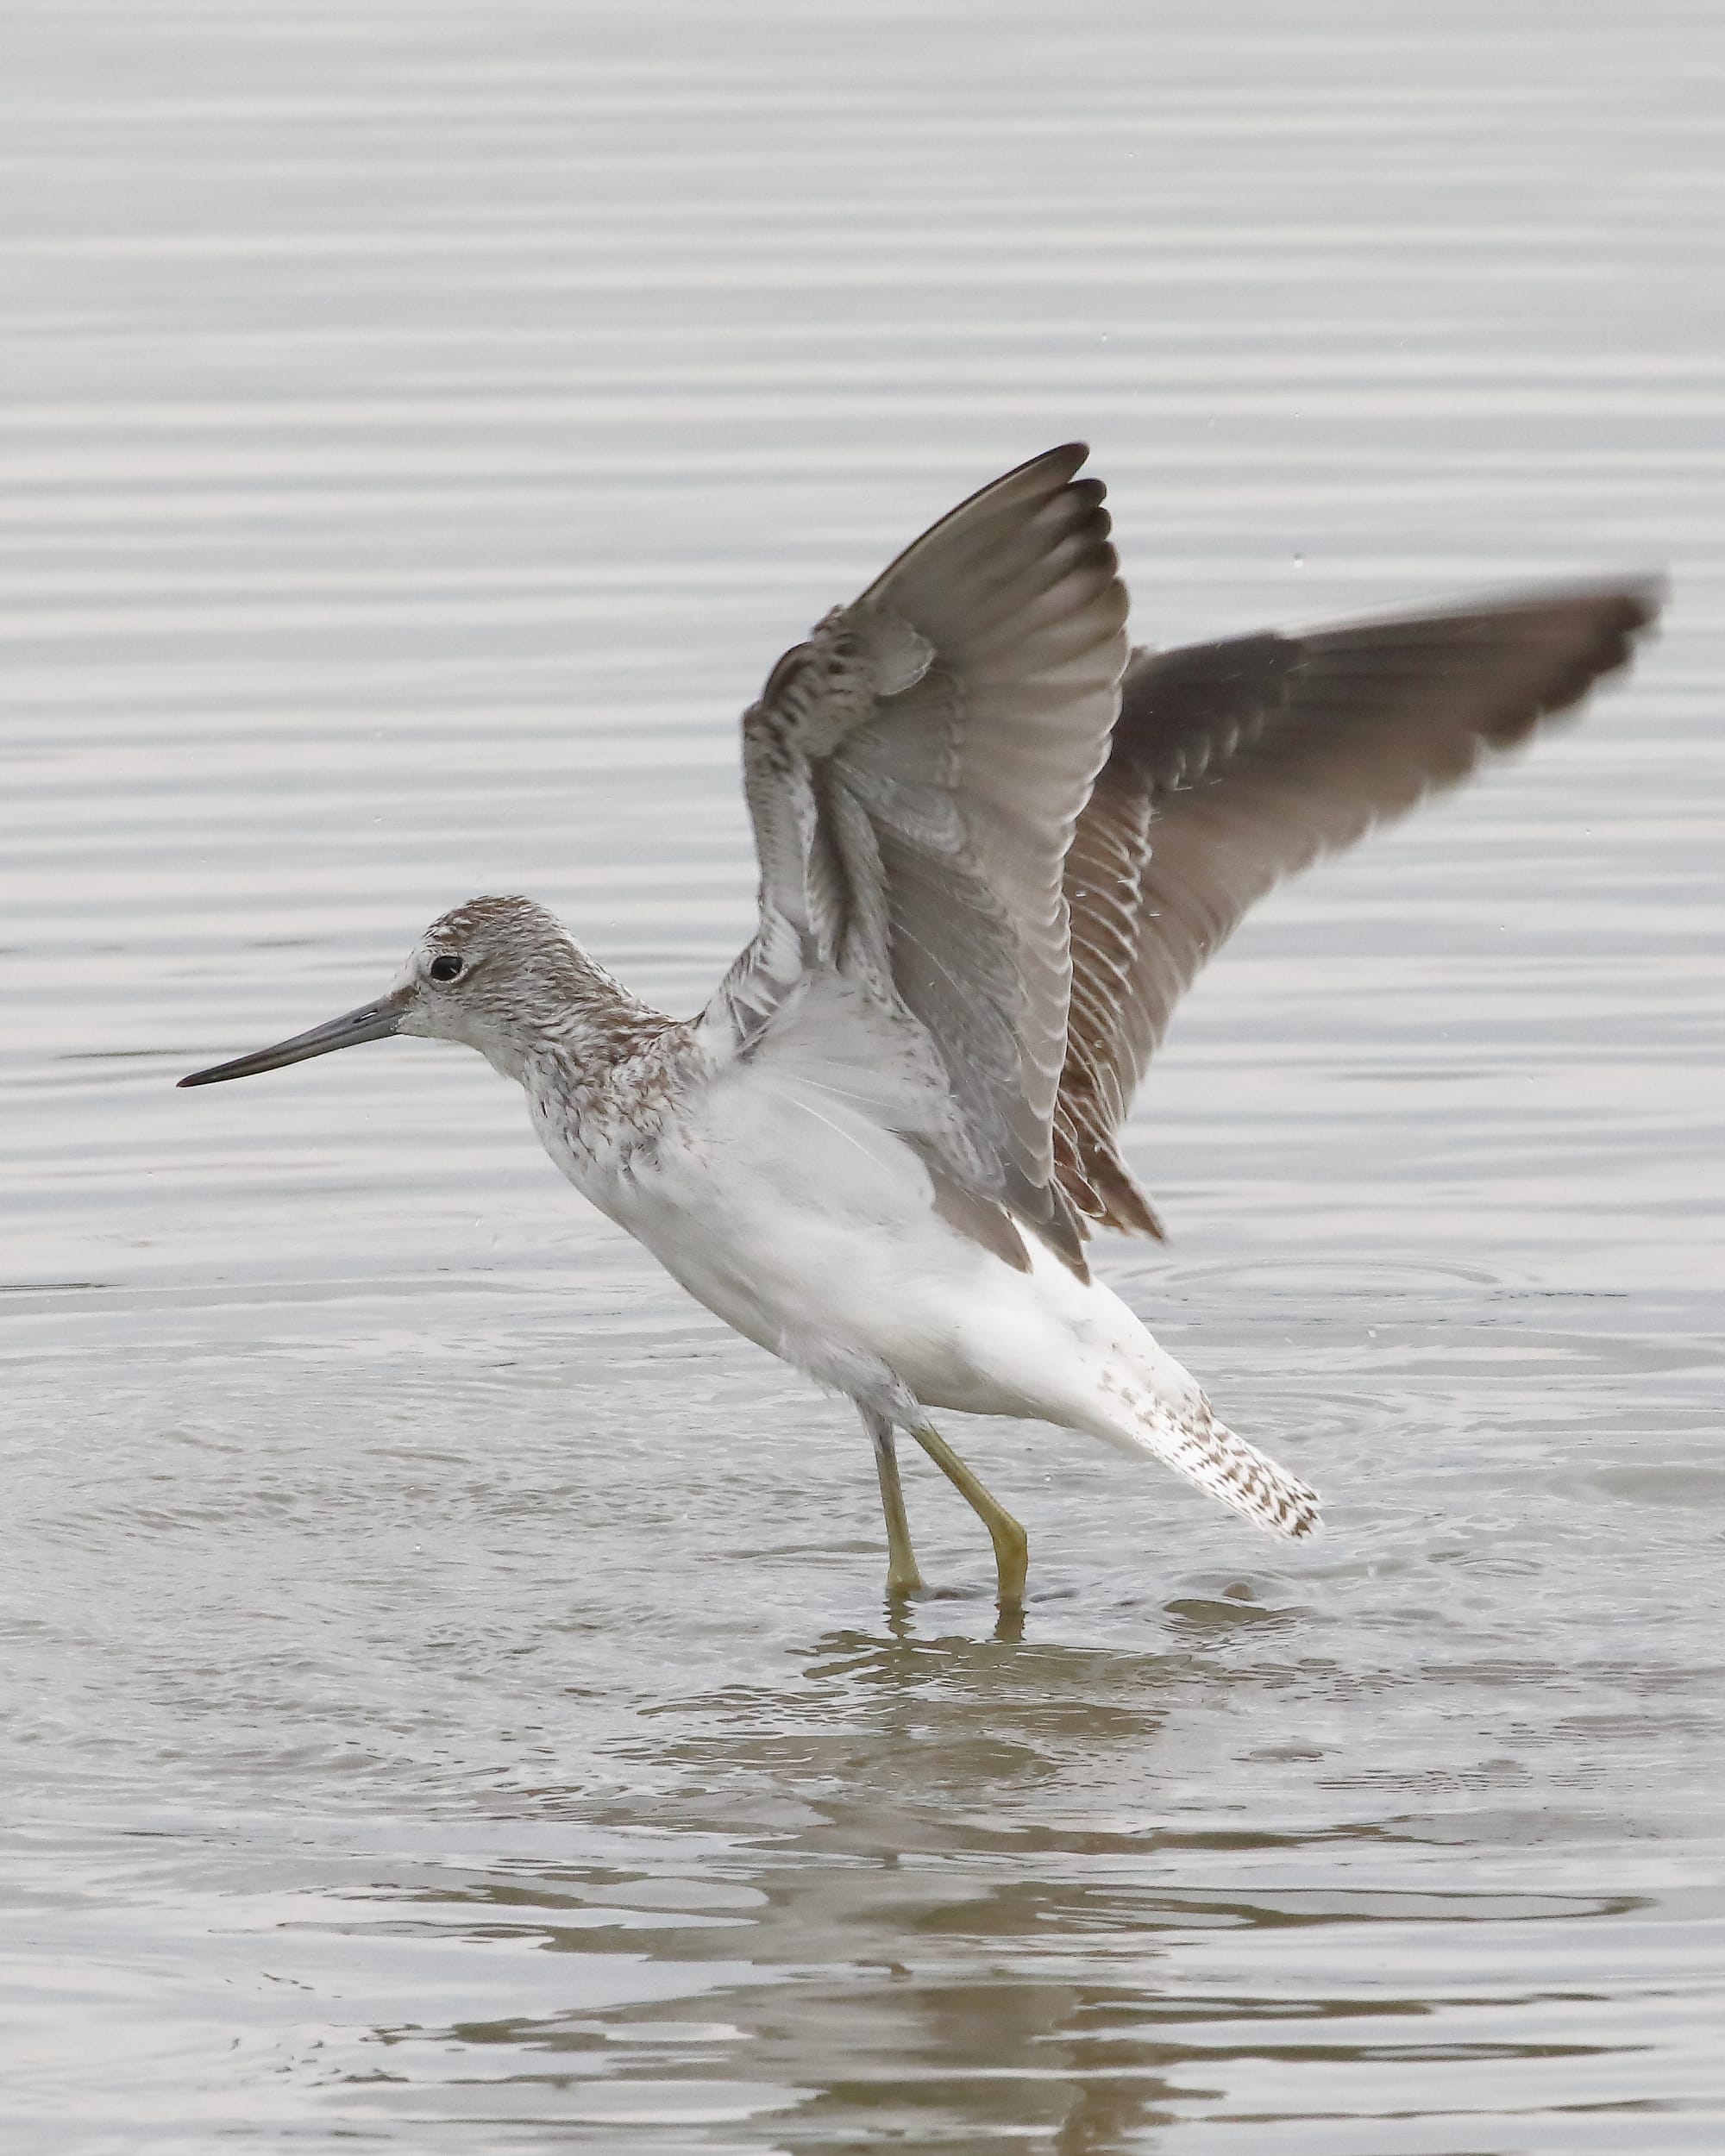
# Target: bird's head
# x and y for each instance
(497, 974)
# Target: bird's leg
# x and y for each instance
(902, 1575)
(1012, 1546)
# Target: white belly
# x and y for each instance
(813, 1233)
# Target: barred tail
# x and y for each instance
(1207, 1452)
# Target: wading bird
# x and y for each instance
(995, 845)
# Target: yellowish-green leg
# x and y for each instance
(902, 1575)
(1012, 1546)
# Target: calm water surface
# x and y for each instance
(446, 1700)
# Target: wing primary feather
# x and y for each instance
(1236, 764)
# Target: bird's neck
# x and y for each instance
(599, 1077)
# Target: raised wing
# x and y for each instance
(1235, 764)
(914, 772)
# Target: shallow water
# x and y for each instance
(446, 1699)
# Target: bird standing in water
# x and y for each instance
(995, 845)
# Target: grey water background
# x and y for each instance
(446, 1700)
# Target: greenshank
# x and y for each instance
(995, 845)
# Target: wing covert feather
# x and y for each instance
(914, 772)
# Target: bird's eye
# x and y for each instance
(445, 966)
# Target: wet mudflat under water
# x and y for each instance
(446, 1698)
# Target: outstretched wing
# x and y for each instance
(914, 772)
(1235, 764)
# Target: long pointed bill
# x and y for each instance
(371, 1022)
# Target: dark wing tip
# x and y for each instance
(1626, 614)
(1610, 625)
(1576, 636)
(1499, 664)
(1062, 463)
(1646, 593)
(1038, 480)
(1070, 454)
